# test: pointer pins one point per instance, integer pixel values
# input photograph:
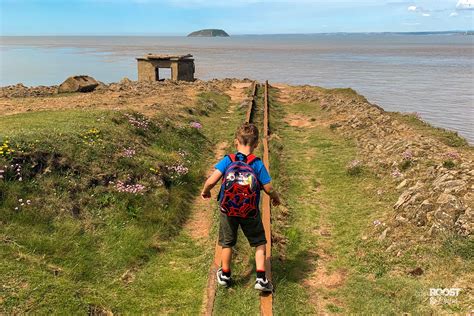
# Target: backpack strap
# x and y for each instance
(251, 158)
(247, 159)
(232, 157)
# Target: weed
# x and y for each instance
(449, 164)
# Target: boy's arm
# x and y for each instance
(210, 183)
(268, 188)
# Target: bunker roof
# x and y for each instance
(165, 57)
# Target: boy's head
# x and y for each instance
(247, 135)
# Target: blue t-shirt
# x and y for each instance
(257, 165)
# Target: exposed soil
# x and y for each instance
(284, 96)
(200, 221)
(237, 91)
(298, 121)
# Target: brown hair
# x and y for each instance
(247, 134)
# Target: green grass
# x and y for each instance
(81, 245)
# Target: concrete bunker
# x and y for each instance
(182, 67)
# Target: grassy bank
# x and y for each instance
(92, 204)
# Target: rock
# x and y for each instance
(78, 84)
(416, 272)
(402, 184)
(125, 80)
(445, 198)
(384, 234)
(465, 223)
(404, 197)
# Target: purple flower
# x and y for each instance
(130, 188)
(138, 122)
(177, 170)
(396, 173)
(128, 152)
(377, 222)
(196, 125)
(407, 155)
(452, 155)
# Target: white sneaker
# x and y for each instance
(222, 279)
(263, 285)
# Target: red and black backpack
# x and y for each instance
(240, 188)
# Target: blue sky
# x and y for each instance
(179, 17)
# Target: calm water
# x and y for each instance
(429, 74)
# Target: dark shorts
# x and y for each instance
(252, 228)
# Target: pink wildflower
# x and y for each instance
(196, 125)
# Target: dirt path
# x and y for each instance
(237, 92)
(199, 224)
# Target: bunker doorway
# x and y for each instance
(163, 74)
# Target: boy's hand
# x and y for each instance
(206, 195)
(276, 200)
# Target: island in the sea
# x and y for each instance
(209, 33)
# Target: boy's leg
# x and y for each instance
(260, 258)
(226, 258)
(227, 239)
(255, 233)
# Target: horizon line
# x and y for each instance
(237, 34)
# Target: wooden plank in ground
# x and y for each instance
(210, 295)
(266, 299)
(248, 117)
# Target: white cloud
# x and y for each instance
(454, 14)
(426, 14)
(412, 8)
(465, 5)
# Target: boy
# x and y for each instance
(244, 177)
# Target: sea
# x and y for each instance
(430, 74)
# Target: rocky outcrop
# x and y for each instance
(22, 91)
(78, 84)
(126, 88)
